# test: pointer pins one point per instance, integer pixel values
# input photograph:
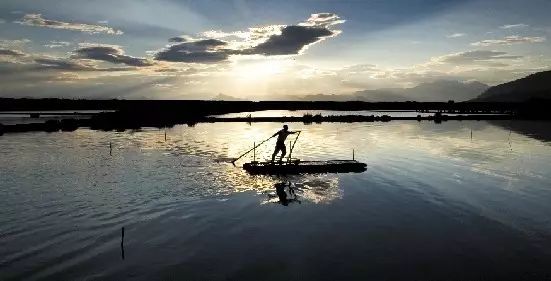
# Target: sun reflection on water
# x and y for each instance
(197, 158)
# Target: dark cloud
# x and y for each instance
(62, 64)
(178, 39)
(38, 20)
(109, 53)
(272, 40)
(72, 65)
(13, 53)
(292, 40)
(199, 51)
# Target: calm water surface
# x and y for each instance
(272, 113)
(434, 204)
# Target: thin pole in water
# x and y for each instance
(254, 151)
(353, 154)
(165, 134)
(290, 151)
(122, 242)
(110, 149)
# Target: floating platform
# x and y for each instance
(305, 167)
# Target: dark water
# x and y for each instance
(434, 204)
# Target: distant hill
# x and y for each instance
(222, 97)
(437, 91)
(535, 86)
(440, 90)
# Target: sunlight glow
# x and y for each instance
(262, 69)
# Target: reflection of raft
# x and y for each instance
(305, 167)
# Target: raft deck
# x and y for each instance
(305, 167)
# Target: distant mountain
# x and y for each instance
(440, 90)
(537, 85)
(222, 97)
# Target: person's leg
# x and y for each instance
(283, 152)
(276, 150)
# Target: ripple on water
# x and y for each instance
(65, 198)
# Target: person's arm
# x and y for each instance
(277, 133)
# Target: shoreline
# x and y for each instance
(121, 123)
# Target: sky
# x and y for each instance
(261, 50)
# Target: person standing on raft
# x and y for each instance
(280, 144)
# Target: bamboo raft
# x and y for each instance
(296, 166)
(304, 167)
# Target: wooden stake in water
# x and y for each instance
(122, 243)
(353, 154)
(165, 134)
(110, 149)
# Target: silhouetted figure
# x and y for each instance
(280, 191)
(280, 143)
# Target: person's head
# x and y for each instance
(285, 127)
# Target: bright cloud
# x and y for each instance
(38, 20)
(510, 26)
(456, 35)
(57, 44)
(508, 40)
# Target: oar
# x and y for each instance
(233, 161)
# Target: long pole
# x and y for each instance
(233, 162)
(292, 146)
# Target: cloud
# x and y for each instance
(8, 55)
(7, 52)
(322, 20)
(477, 57)
(271, 40)
(18, 43)
(38, 20)
(108, 53)
(63, 64)
(509, 40)
(510, 26)
(57, 44)
(180, 39)
(2, 21)
(198, 51)
(292, 40)
(67, 64)
(456, 35)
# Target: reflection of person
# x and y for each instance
(280, 143)
(280, 191)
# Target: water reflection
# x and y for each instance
(65, 198)
(535, 129)
(285, 192)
